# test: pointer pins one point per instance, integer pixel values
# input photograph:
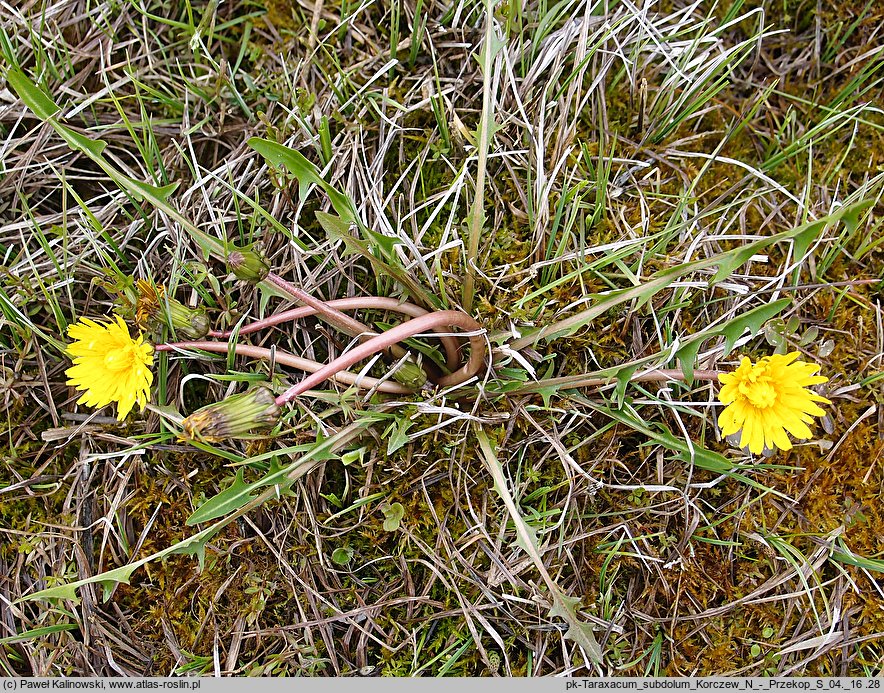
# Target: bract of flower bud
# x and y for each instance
(248, 264)
(410, 374)
(190, 323)
(234, 417)
(147, 299)
(154, 309)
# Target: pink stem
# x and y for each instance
(449, 343)
(345, 323)
(287, 359)
(334, 317)
(395, 334)
(572, 381)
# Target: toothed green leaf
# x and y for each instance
(240, 493)
(234, 496)
(68, 591)
(750, 321)
(397, 434)
(195, 546)
(158, 197)
(693, 453)
(385, 244)
(725, 263)
(732, 330)
(579, 631)
(526, 538)
(78, 142)
(338, 229)
(152, 193)
(306, 173)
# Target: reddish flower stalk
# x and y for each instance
(287, 359)
(576, 381)
(435, 321)
(345, 323)
(449, 343)
(332, 316)
(396, 334)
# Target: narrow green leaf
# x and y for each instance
(563, 606)
(850, 558)
(113, 578)
(306, 173)
(338, 228)
(38, 633)
(31, 94)
(110, 578)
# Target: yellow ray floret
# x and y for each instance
(109, 365)
(768, 399)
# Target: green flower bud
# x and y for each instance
(154, 309)
(190, 323)
(248, 264)
(410, 374)
(233, 417)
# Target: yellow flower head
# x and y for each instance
(769, 398)
(109, 365)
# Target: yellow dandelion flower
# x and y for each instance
(769, 398)
(109, 365)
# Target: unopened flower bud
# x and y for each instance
(248, 264)
(154, 310)
(410, 374)
(190, 323)
(233, 417)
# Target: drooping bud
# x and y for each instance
(248, 264)
(233, 417)
(154, 309)
(410, 374)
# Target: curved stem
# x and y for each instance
(347, 324)
(332, 316)
(287, 359)
(449, 343)
(408, 329)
